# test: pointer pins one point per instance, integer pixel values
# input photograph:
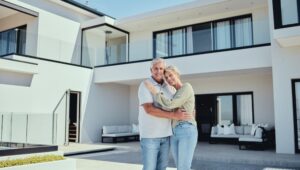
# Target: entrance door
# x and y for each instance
(74, 116)
(205, 115)
(296, 103)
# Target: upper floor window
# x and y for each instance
(216, 35)
(13, 41)
(286, 13)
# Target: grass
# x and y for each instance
(30, 160)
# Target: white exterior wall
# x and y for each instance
(107, 104)
(260, 84)
(285, 67)
(39, 100)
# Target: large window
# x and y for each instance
(286, 13)
(211, 36)
(296, 101)
(235, 108)
(13, 41)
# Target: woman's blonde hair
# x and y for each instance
(172, 69)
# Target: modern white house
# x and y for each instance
(66, 69)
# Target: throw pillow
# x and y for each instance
(229, 130)
(232, 129)
(226, 130)
(258, 133)
(253, 129)
(135, 128)
(220, 130)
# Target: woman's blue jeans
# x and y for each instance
(183, 144)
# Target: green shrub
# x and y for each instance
(30, 160)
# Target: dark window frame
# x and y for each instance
(277, 15)
(232, 34)
(294, 81)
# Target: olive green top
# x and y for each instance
(183, 98)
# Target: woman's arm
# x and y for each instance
(181, 96)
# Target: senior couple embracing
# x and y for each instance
(166, 118)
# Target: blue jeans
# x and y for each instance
(183, 144)
(155, 153)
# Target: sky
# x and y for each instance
(124, 8)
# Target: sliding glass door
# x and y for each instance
(296, 103)
(217, 35)
(162, 46)
(235, 108)
(222, 35)
(289, 12)
(178, 42)
(286, 13)
(243, 32)
(244, 109)
(13, 41)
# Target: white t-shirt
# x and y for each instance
(151, 126)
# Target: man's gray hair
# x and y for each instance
(158, 60)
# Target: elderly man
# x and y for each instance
(155, 122)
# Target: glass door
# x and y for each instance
(296, 104)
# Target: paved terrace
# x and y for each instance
(207, 156)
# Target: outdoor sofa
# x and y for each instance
(257, 136)
(121, 133)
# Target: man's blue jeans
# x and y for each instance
(155, 153)
(183, 144)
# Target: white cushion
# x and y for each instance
(220, 130)
(135, 128)
(253, 129)
(225, 136)
(258, 133)
(251, 138)
(239, 130)
(229, 130)
(214, 130)
(124, 129)
(116, 129)
(120, 134)
(247, 130)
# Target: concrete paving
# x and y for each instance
(207, 156)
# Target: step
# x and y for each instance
(72, 135)
(72, 139)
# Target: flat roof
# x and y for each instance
(84, 7)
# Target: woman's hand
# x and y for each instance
(150, 87)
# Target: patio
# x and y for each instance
(207, 156)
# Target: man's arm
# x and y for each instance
(154, 111)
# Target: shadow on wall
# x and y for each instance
(107, 104)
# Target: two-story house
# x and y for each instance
(66, 69)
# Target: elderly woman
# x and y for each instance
(184, 139)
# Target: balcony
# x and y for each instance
(101, 48)
(255, 58)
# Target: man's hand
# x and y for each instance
(180, 114)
